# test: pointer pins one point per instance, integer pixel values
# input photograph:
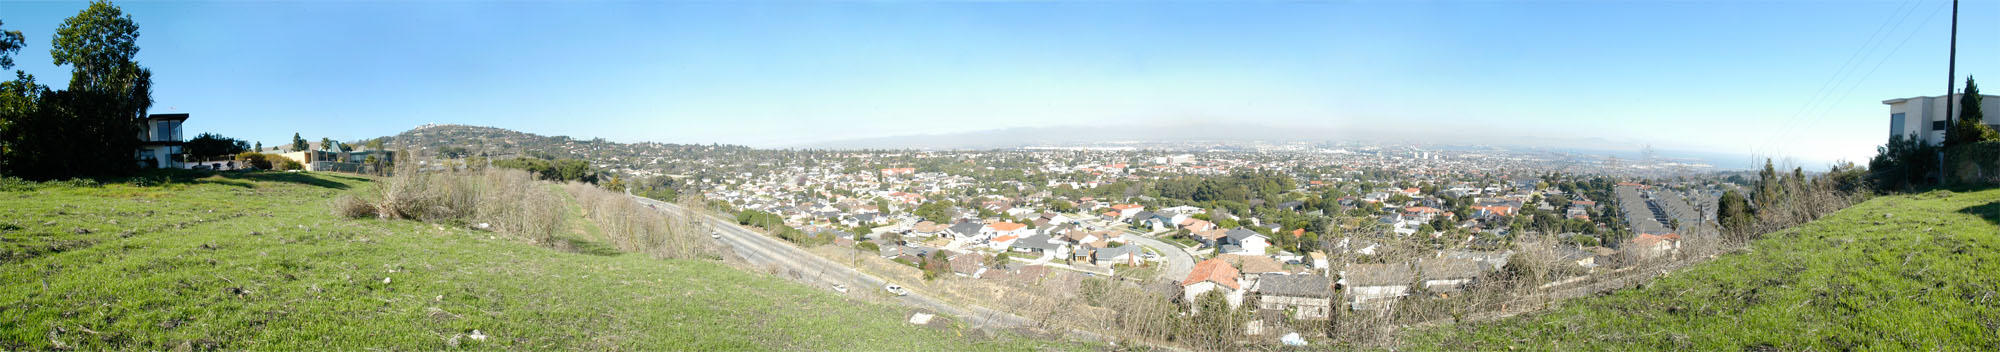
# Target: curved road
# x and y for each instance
(1178, 262)
(764, 250)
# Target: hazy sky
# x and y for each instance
(1804, 79)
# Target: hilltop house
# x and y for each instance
(1923, 117)
(160, 141)
(339, 157)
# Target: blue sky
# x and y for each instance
(1799, 79)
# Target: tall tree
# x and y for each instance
(90, 128)
(101, 45)
(1767, 185)
(1734, 212)
(1971, 125)
(298, 143)
(10, 43)
(17, 97)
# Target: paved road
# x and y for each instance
(764, 250)
(1178, 263)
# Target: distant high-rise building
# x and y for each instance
(1923, 117)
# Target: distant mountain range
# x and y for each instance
(1081, 136)
(491, 141)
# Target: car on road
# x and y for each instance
(896, 290)
(714, 235)
(840, 288)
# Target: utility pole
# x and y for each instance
(1951, 69)
(1950, 83)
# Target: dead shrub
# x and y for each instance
(349, 206)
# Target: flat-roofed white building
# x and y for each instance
(160, 141)
(1924, 116)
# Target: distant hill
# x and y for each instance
(1906, 272)
(1237, 133)
(493, 142)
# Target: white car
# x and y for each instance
(714, 235)
(840, 288)
(897, 290)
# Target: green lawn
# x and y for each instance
(256, 261)
(1911, 272)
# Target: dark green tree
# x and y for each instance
(1903, 164)
(89, 129)
(18, 96)
(101, 45)
(938, 212)
(210, 145)
(1971, 124)
(298, 143)
(1768, 185)
(10, 43)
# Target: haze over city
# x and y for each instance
(1727, 77)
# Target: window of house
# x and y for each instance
(167, 131)
(1896, 124)
(1937, 125)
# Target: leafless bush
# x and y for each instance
(1794, 201)
(505, 201)
(633, 227)
(349, 206)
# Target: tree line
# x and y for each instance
(89, 127)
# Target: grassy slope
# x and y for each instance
(1916, 272)
(255, 262)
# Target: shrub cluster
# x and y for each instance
(505, 201)
(632, 227)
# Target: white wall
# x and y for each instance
(1193, 292)
(1919, 112)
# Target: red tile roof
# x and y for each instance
(1214, 270)
(1007, 226)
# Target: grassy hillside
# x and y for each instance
(256, 261)
(1914, 272)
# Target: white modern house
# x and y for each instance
(160, 141)
(1924, 116)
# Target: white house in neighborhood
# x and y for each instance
(1210, 275)
(1924, 116)
(1375, 286)
(1306, 296)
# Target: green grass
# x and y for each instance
(256, 261)
(1909, 272)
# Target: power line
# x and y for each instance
(1878, 64)
(1869, 46)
